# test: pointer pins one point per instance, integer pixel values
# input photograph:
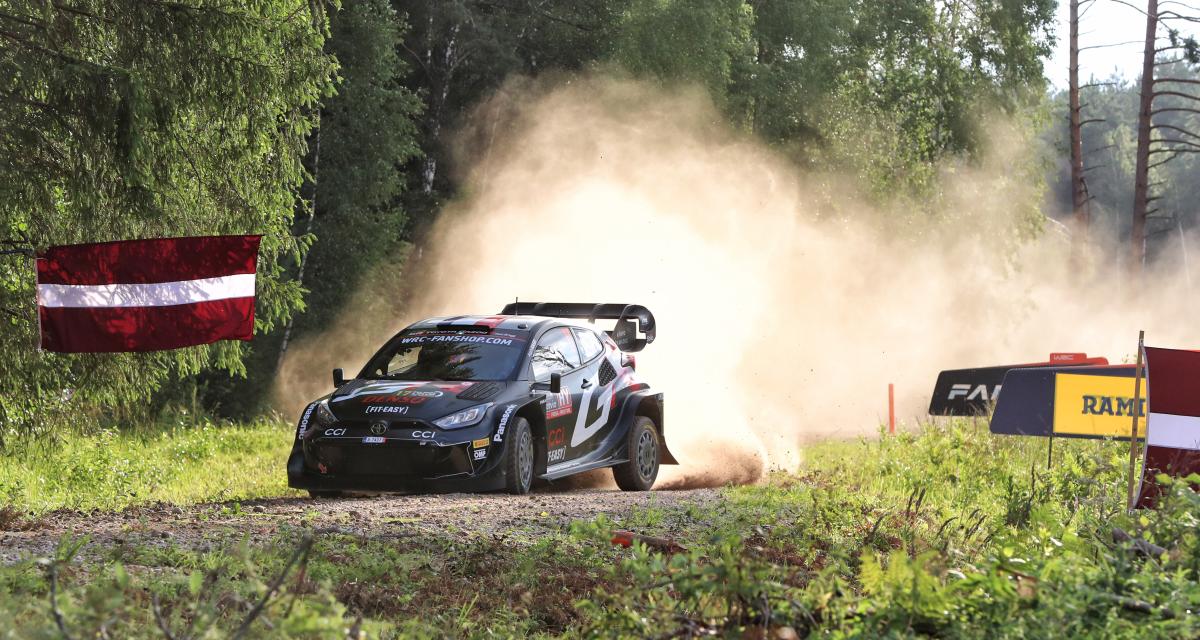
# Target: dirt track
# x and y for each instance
(208, 525)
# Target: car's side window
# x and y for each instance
(555, 352)
(589, 344)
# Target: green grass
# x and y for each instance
(950, 533)
(116, 469)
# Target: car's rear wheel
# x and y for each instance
(518, 458)
(640, 471)
(314, 493)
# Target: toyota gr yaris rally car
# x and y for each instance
(490, 402)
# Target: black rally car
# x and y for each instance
(479, 403)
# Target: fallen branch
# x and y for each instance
(301, 552)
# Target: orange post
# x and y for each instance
(891, 408)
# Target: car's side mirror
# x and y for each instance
(554, 386)
(339, 378)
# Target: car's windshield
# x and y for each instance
(425, 354)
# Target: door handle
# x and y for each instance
(585, 384)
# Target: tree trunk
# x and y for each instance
(308, 226)
(1137, 232)
(1078, 192)
(437, 105)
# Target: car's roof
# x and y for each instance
(506, 323)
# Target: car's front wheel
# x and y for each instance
(640, 471)
(518, 458)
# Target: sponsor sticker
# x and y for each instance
(373, 440)
(456, 338)
(556, 455)
(335, 432)
(480, 454)
(423, 435)
(400, 398)
(1095, 405)
(480, 443)
(304, 421)
(508, 411)
(387, 409)
(558, 404)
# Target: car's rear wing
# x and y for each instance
(624, 333)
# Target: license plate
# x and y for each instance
(373, 440)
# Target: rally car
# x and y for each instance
(479, 403)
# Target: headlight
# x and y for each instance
(464, 418)
(323, 416)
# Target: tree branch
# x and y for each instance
(1114, 44)
(301, 551)
(1182, 80)
(1178, 94)
(1170, 109)
(1174, 128)
(158, 617)
(54, 610)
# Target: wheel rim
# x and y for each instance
(647, 454)
(525, 459)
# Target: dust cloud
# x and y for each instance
(786, 302)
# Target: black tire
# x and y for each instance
(644, 451)
(518, 458)
(316, 493)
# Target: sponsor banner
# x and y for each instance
(972, 392)
(1070, 402)
(1095, 406)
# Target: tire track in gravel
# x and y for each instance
(208, 526)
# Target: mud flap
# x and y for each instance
(645, 403)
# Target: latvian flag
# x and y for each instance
(1173, 421)
(147, 295)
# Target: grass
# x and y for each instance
(115, 469)
(951, 532)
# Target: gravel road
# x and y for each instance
(206, 525)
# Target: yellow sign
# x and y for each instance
(1096, 406)
(480, 443)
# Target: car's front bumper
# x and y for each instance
(349, 464)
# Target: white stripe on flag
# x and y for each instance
(159, 294)
(1176, 432)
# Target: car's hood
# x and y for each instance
(398, 400)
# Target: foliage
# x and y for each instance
(186, 459)
(145, 118)
(357, 156)
(234, 596)
(368, 133)
(952, 533)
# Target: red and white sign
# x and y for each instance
(1173, 418)
(147, 295)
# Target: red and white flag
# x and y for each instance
(147, 295)
(1173, 418)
